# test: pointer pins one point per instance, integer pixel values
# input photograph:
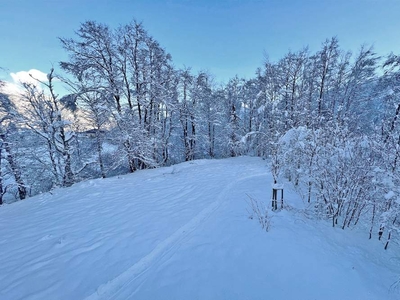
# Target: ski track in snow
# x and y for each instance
(111, 289)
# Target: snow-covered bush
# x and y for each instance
(297, 154)
(332, 168)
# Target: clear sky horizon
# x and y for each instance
(226, 37)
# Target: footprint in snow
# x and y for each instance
(46, 237)
(60, 242)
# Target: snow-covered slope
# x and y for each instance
(183, 232)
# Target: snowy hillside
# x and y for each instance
(183, 232)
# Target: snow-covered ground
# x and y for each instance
(183, 232)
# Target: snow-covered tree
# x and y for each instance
(44, 114)
(134, 74)
(8, 132)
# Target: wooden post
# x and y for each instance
(274, 199)
(275, 189)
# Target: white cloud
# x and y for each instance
(14, 87)
(28, 76)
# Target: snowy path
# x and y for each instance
(116, 289)
(72, 241)
(182, 232)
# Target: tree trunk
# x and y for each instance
(1, 175)
(99, 153)
(15, 170)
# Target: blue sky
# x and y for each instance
(226, 37)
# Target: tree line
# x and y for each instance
(326, 120)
